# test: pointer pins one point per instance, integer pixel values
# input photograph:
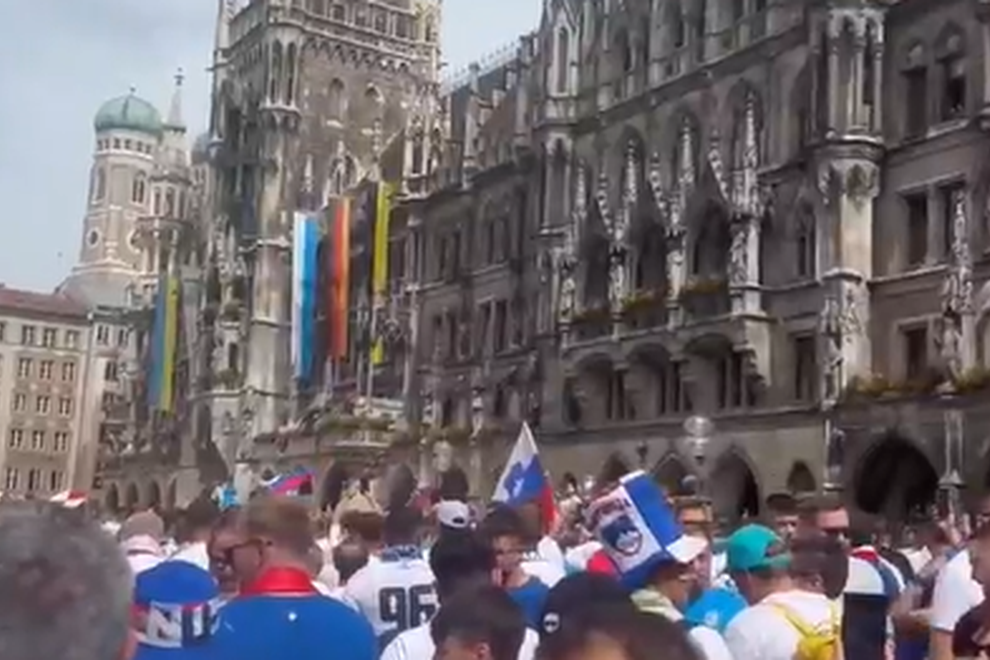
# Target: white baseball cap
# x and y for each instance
(453, 514)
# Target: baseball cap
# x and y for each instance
(755, 547)
(453, 514)
(175, 605)
(573, 596)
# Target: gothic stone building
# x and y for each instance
(767, 214)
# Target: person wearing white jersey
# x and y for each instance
(395, 593)
(461, 563)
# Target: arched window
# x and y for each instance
(678, 31)
(417, 154)
(335, 100)
(170, 202)
(138, 188)
(563, 60)
(290, 74)
(156, 207)
(274, 72)
(950, 51)
(805, 243)
(99, 185)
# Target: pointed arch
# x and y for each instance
(805, 232)
(894, 478)
(171, 498)
(673, 475)
(336, 100)
(291, 73)
(630, 148)
(800, 480)
(132, 497)
(153, 497)
(111, 501)
(733, 486)
(801, 117)
(275, 72)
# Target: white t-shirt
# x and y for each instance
(546, 563)
(394, 595)
(417, 644)
(956, 592)
(762, 632)
(194, 553)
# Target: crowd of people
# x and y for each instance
(624, 573)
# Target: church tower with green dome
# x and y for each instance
(138, 178)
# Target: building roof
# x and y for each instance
(33, 303)
(129, 112)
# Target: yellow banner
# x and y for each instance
(171, 344)
(383, 214)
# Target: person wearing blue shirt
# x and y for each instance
(278, 613)
(505, 530)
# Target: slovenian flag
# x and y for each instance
(291, 484)
(524, 480)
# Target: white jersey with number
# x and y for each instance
(394, 595)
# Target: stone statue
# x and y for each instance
(428, 412)
(567, 299)
(477, 411)
(831, 334)
(949, 341)
(617, 286)
(739, 255)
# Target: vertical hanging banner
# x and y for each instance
(305, 250)
(340, 279)
(157, 346)
(164, 344)
(379, 273)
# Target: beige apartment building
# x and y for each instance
(44, 368)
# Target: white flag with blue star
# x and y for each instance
(523, 479)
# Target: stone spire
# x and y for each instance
(174, 119)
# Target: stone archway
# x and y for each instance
(674, 476)
(111, 501)
(800, 480)
(132, 498)
(333, 486)
(733, 488)
(894, 478)
(170, 496)
(153, 500)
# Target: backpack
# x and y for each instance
(816, 643)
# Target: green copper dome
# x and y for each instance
(128, 113)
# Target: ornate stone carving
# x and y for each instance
(630, 195)
(739, 255)
(831, 336)
(428, 411)
(673, 225)
(565, 257)
(957, 293)
(477, 407)
(617, 282)
(715, 163)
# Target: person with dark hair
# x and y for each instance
(619, 634)
(576, 598)
(782, 515)
(479, 624)
(460, 561)
(506, 532)
(195, 526)
(396, 592)
(278, 613)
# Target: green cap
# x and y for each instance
(755, 547)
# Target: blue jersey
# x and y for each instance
(298, 627)
(714, 609)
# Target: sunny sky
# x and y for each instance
(63, 58)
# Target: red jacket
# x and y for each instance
(601, 563)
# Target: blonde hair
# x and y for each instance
(281, 520)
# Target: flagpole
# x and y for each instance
(370, 381)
